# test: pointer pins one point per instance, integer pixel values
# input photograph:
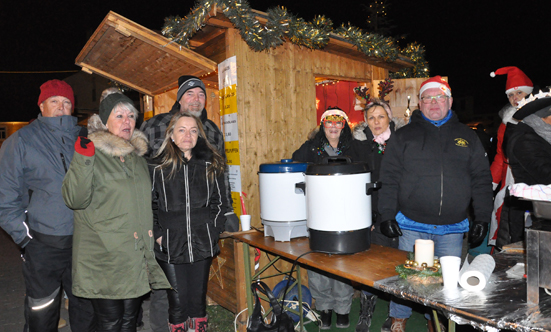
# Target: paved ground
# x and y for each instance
(12, 288)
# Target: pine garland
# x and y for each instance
(281, 25)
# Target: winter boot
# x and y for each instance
(343, 321)
(198, 324)
(398, 324)
(182, 327)
(367, 305)
(386, 325)
(326, 319)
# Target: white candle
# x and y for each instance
(424, 252)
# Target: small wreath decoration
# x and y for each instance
(411, 271)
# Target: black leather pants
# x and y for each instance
(188, 296)
(116, 315)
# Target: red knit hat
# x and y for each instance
(436, 82)
(516, 80)
(56, 88)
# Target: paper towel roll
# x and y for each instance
(474, 276)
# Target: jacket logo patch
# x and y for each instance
(461, 142)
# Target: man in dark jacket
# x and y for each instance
(432, 169)
(191, 97)
(33, 163)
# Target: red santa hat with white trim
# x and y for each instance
(436, 82)
(516, 80)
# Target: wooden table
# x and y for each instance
(502, 304)
(365, 267)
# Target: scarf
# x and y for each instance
(383, 137)
(439, 123)
(540, 127)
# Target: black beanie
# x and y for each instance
(108, 104)
(187, 82)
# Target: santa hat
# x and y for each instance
(335, 112)
(516, 80)
(436, 82)
(54, 88)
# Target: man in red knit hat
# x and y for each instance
(432, 169)
(33, 163)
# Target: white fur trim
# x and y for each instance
(334, 112)
(114, 145)
(526, 89)
(437, 85)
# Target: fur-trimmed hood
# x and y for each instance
(114, 145)
(506, 114)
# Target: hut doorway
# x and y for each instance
(340, 93)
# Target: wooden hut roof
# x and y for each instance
(146, 61)
(139, 58)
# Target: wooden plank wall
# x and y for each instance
(276, 103)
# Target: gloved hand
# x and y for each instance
(232, 222)
(85, 147)
(390, 228)
(477, 233)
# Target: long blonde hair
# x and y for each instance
(173, 158)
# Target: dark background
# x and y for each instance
(464, 40)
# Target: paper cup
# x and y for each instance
(450, 270)
(245, 222)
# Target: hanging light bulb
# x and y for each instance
(408, 110)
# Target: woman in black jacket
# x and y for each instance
(188, 205)
(331, 139)
(375, 132)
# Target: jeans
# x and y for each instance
(444, 245)
(330, 293)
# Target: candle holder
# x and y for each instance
(413, 272)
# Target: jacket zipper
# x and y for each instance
(188, 212)
(63, 160)
(441, 175)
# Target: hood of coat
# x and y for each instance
(113, 145)
(506, 114)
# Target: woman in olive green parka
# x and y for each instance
(109, 188)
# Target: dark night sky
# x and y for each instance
(464, 40)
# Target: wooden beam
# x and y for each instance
(100, 72)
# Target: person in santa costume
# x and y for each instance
(504, 216)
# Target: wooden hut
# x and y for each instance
(276, 95)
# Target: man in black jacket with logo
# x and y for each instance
(432, 169)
